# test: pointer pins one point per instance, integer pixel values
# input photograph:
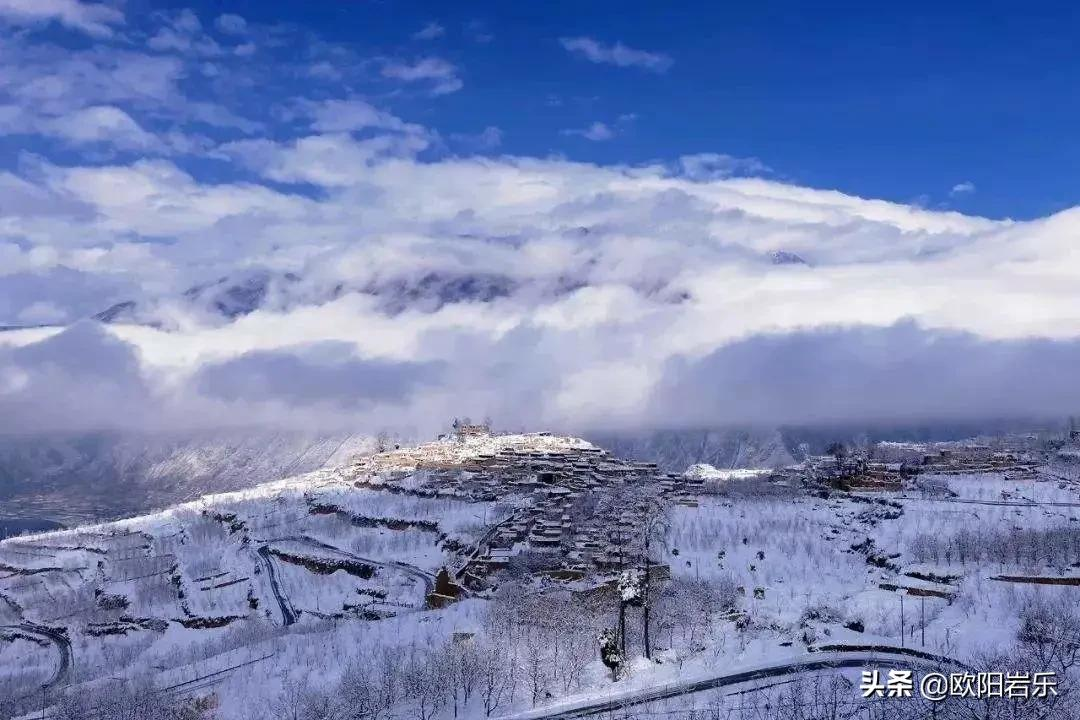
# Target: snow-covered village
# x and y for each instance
(534, 575)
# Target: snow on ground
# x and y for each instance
(204, 589)
(704, 471)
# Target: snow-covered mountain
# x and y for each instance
(225, 298)
(676, 450)
(106, 475)
(238, 294)
(228, 297)
(91, 477)
(88, 477)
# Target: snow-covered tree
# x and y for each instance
(610, 654)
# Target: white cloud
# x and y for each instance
(429, 32)
(617, 54)
(600, 131)
(43, 84)
(183, 33)
(155, 198)
(231, 24)
(330, 160)
(596, 132)
(98, 125)
(489, 138)
(477, 31)
(348, 115)
(42, 313)
(381, 281)
(94, 19)
(323, 70)
(965, 188)
(103, 124)
(536, 284)
(711, 166)
(442, 75)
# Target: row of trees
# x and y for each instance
(1055, 546)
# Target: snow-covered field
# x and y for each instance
(310, 593)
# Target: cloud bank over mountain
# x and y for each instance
(313, 259)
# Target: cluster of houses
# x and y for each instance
(577, 510)
(892, 463)
(561, 514)
(574, 503)
(854, 472)
(963, 459)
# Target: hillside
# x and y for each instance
(475, 573)
(84, 478)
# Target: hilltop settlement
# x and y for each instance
(543, 568)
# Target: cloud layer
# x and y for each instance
(315, 259)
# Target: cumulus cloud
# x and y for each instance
(94, 19)
(489, 138)
(90, 125)
(329, 160)
(618, 54)
(440, 75)
(711, 166)
(429, 32)
(478, 31)
(49, 81)
(599, 131)
(596, 132)
(106, 96)
(348, 115)
(103, 124)
(183, 33)
(231, 24)
(965, 188)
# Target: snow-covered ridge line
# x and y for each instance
(445, 452)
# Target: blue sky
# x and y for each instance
(901, 101)
(947, 107)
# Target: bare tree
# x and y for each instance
(1050, 634)
(495, 675)
(654, 529)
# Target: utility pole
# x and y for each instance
(902, 593)
(44, 701)
(922, 619)
(648, 580)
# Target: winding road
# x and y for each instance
(428, 579)
(289, 614)
(58, 639)
(808, 662)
